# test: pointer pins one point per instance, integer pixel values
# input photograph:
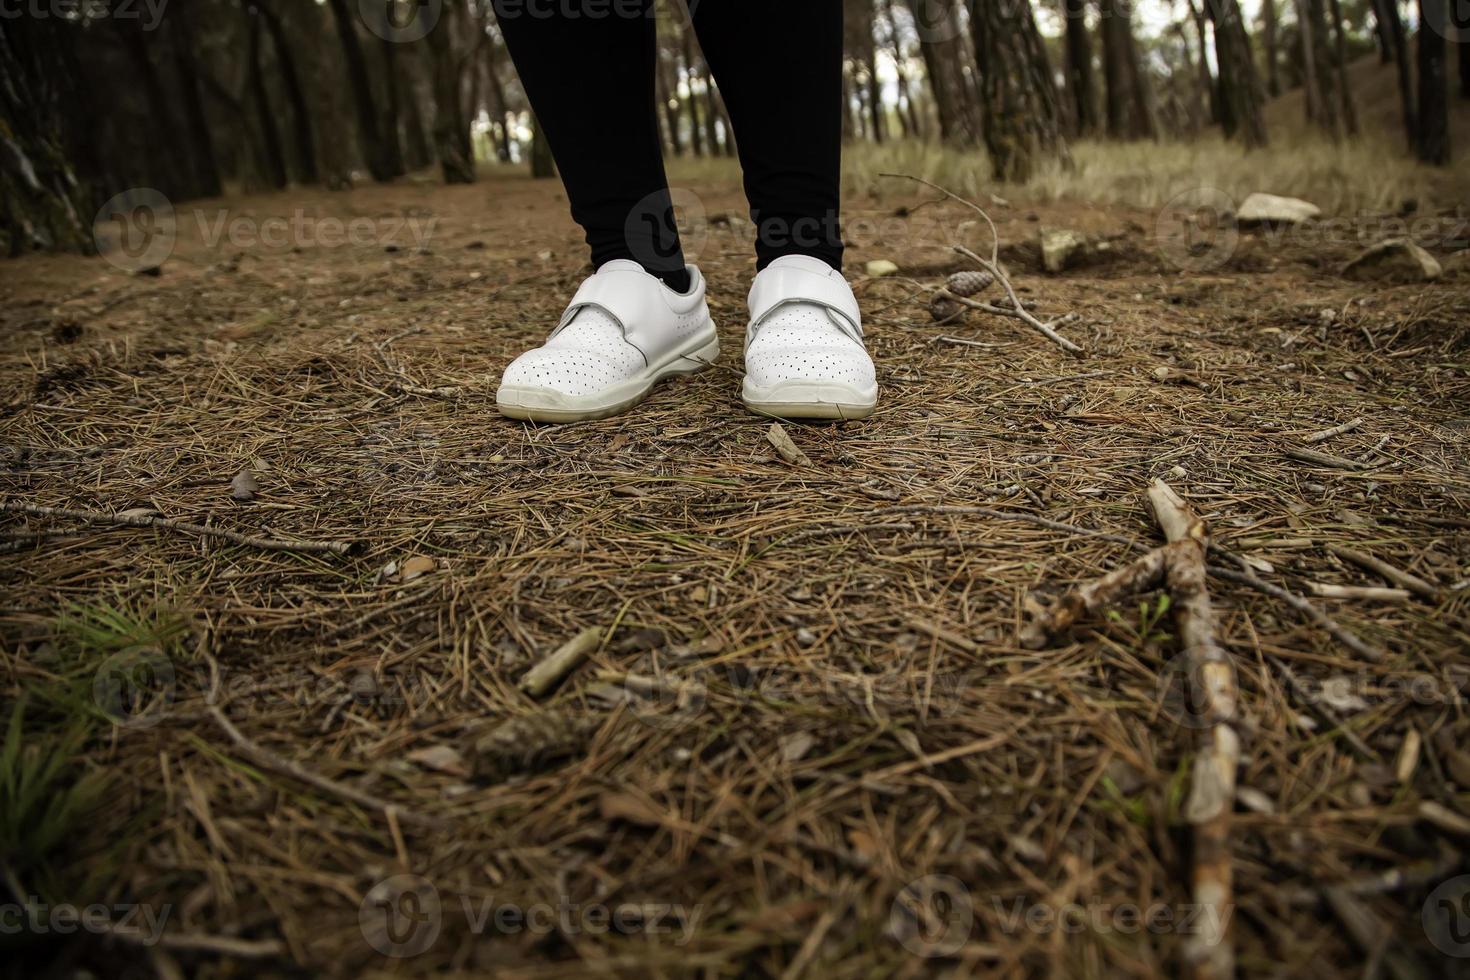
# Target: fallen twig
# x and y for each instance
(145, 519)
(1336, 430)
(1397, 576)
(285, 767)
(1323, 459)
(1338, 632)
(1017, 310)
(549, 672)
(992, 266)
(1370, 593)
(1211, 678)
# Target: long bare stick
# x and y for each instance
(1208, 952)
(285, 767)
(992, 266)
(1397, 576)
(158, 520)
(1305, 608)
(1020, 310)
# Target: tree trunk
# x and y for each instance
(668, 101)
(42, 204)
(417, 152)
(543, 165)
(1271, 44)
(173, 174)
(1434, 109)
(305, 138)
(1240, 86)
(1311, 91)
(393, 106)
(907, 111)
(201, 147)
(1080, 83)
(1462, 42)
(696, 129)
(451, 129)
(1330, 101)
(500, 108)
(1129, 115)
(374, 150)
(1344, 89)
(1198, 112)
(940, 46)
(1380, 34)
(1388, 12)
(1021, 111)
(862, 46)
(275, 160)
(711, 122)
(1206, 79)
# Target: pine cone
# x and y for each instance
(967, 284)
(942, 308)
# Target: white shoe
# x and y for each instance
(623, 331)
(804, 354)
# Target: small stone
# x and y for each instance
(243, 486)
(1269, 209)
(878, 268)
(805, 637)
(1394, 260)
(415, 567)
(1060, 248)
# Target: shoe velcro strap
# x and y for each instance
(776, 287)
(630, 297)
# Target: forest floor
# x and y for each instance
(807, 740)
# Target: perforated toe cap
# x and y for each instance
(568, 371)
(849, 365)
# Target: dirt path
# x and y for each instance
(814, 712)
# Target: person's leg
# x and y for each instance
(778, 64)
(588, 70)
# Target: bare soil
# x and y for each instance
(809, 694)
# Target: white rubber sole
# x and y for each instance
(809, 400)
(545, 405)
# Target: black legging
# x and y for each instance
(588, 69)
